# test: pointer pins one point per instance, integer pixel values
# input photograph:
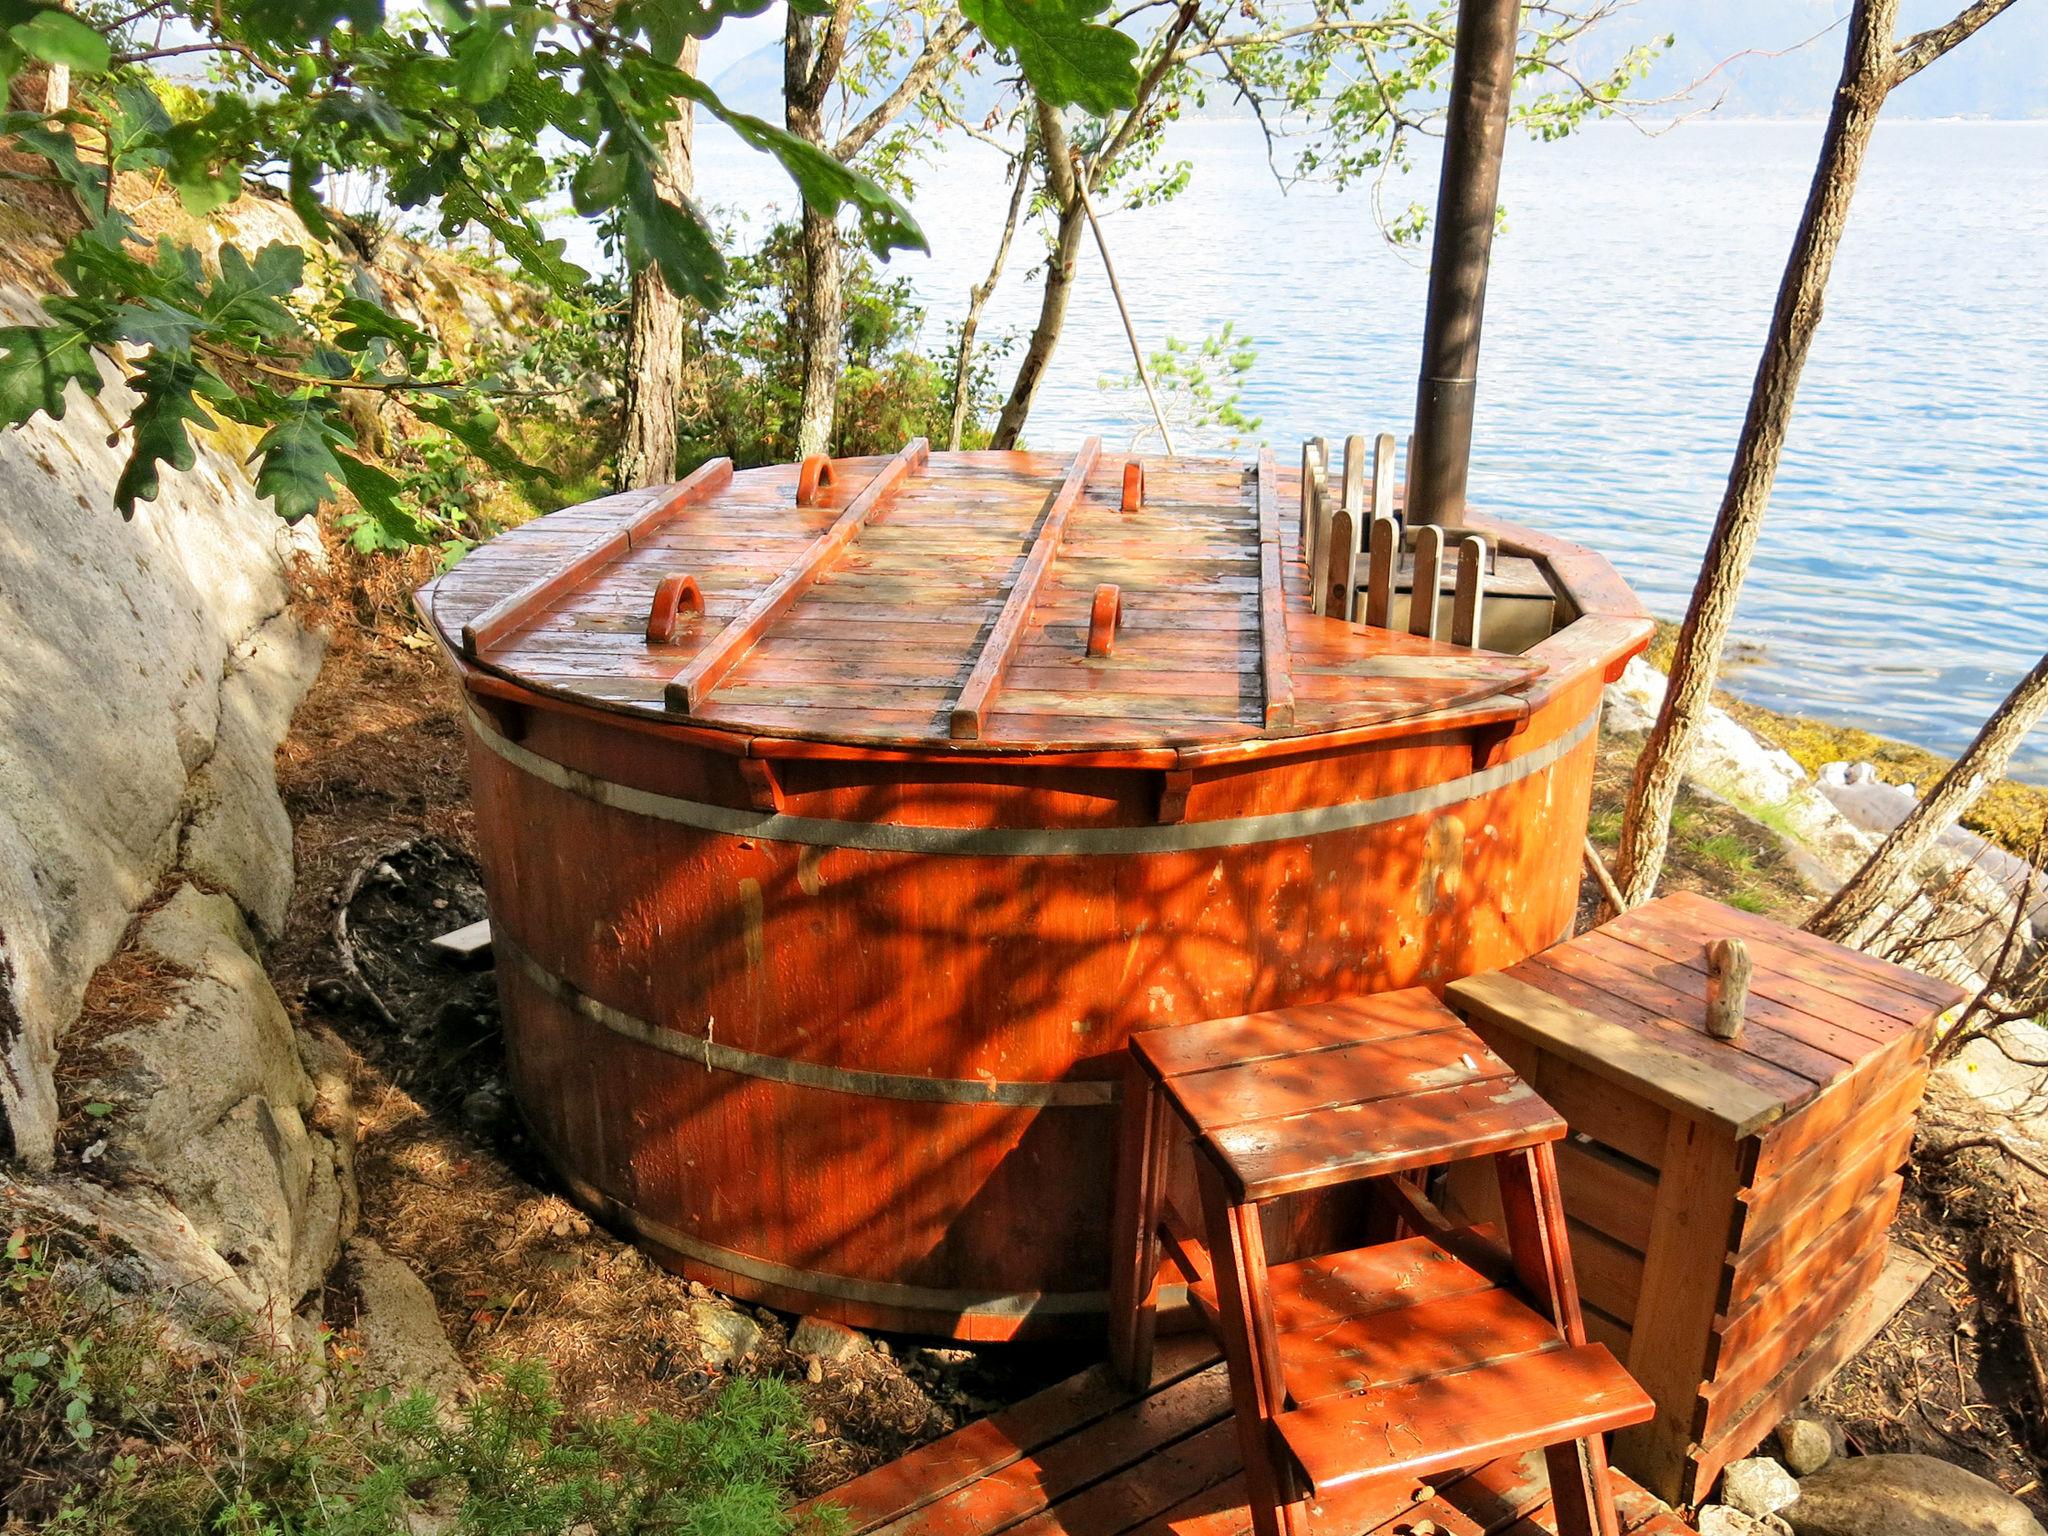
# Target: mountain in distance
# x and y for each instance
(1751, 58)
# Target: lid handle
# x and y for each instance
(1104, 619)
(1134, 486)
(1728, 968)
(676, 595)
(812, 476)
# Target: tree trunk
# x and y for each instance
(1867, 75)
(1847, 914)
(1059, 277)
(821, 318)
(654, 327)
(810, 63)
(978, 297)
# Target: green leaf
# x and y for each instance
(247, 294)
(297, 466)
(378, 494)
(57, 38)
(170, 386)
(676, 241)
(99, 1109)
(825, 183)
(1069, 59)
(600, 183)
(303, 190)
(153, 323)
(364, 322)
(36, 362)
(485, 57)
(478, 432)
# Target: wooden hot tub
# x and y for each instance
(822, 915)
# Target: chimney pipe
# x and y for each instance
(1475, 137)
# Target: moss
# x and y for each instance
(2011, 814)
(2008, 813)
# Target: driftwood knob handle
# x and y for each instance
(678, 594)
(1728, 968)
(1104, 616)
(812, 476)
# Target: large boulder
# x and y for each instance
(147, 670)
(1904, 1496)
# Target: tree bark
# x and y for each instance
(1846, 916)
(1060, 267)
(1867, 74)
(810, 63)
(654, 325)
(978, 297)
(1872, 67)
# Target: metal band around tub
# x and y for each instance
(1022, 842)
(874, 1293)
(807, 1074)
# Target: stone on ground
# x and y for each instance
(1905, 1496)
(834, 1342)
(725, 1335)
(404, 1347)
(1806, 1443)
(1724, 1520)
(1757, 1485)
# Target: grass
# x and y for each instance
(116, 1422)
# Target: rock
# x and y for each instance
(133, 654)
(404, 1347)
(485, 1111)
(1757, 1485)
(1762, 782)
(725, 1335)
(1725, 1520)
(142, 1246)
(1904, 1496)
(237, 835)
(1806, 1443)
(216, 1106)
(827, 1340)
(814, 1370)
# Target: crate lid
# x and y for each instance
(985, 601)
(1627, 1000)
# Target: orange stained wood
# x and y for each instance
(947, 602)
(1077, 1460)
(1325, 1094)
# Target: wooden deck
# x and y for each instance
(1087, 1458)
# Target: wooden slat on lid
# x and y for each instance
(970, 713)
(1273, 660)
(507, 614)
(689, 689)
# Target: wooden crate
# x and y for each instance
(1729, 1202)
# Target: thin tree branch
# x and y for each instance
(938, 51)
(1923, 48)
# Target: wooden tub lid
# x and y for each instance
(1004, 602)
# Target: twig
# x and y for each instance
(1608, 888)
(1116, 288)
(2026, 1160)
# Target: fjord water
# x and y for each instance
(1902, 580)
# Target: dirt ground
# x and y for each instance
(375, 779)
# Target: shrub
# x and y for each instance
(114, 1421)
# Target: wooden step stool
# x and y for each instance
(1388, 1364)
